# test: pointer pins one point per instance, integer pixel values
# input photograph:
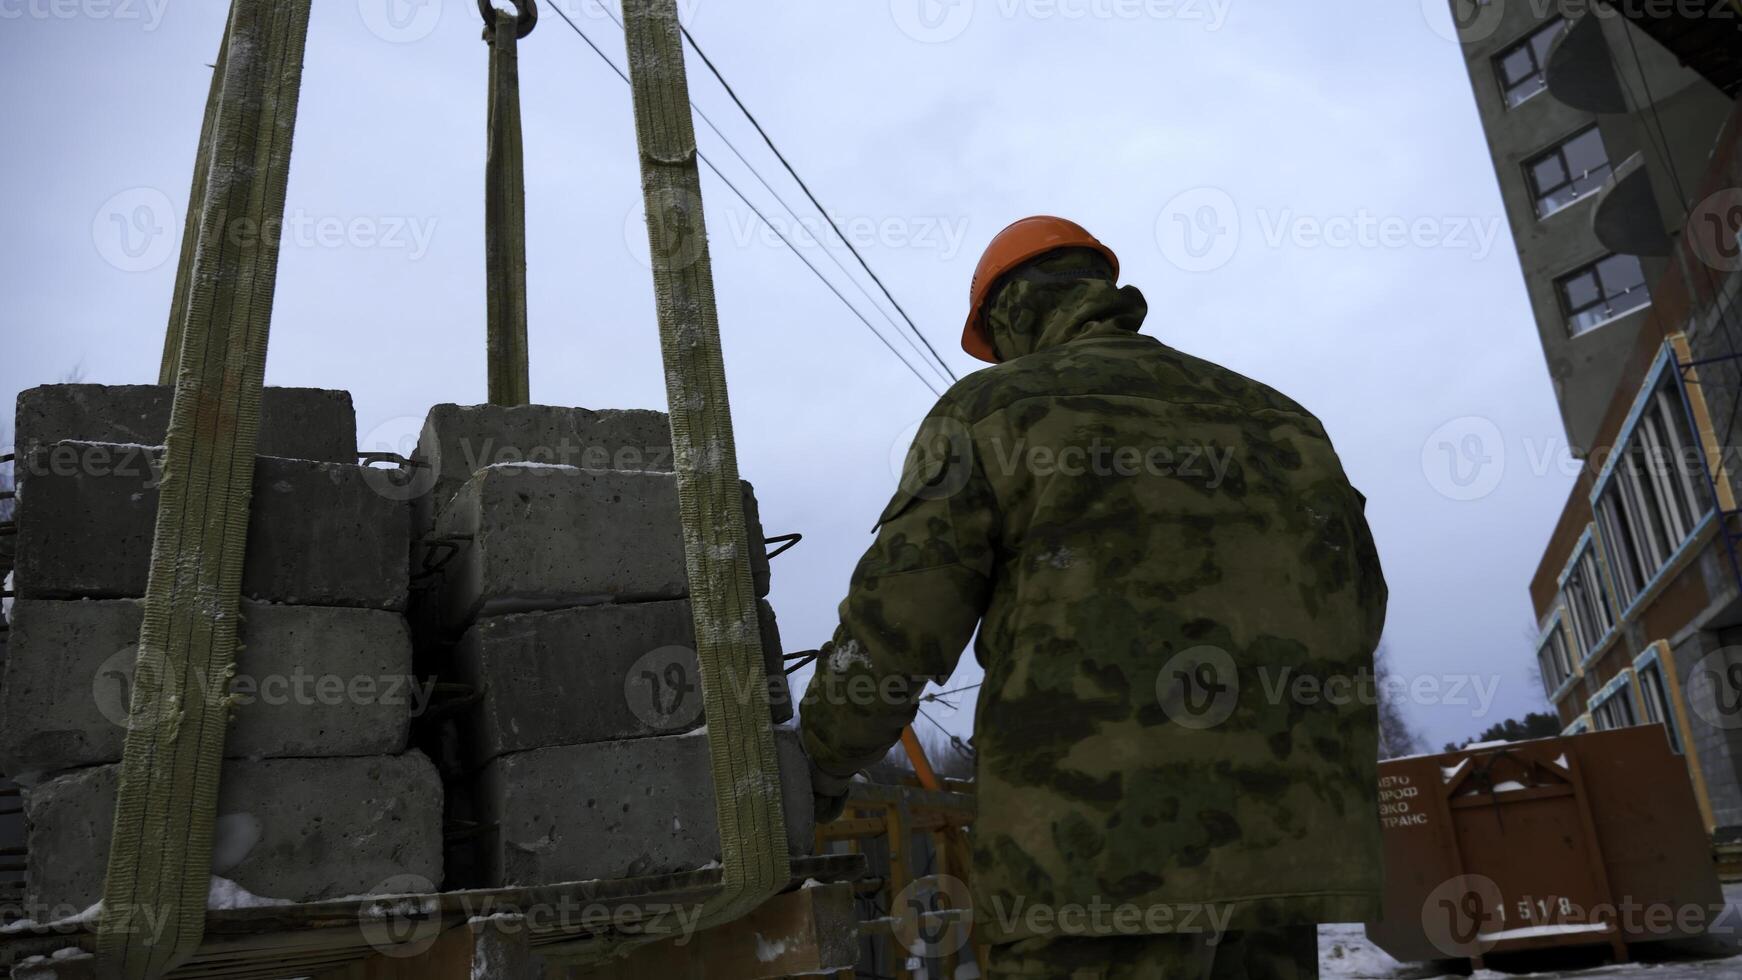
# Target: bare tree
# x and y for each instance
(1533, 641)
(1397, 736)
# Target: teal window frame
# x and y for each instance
(1574, 669)
(1618, 685)
(1604, 597)
(1652, 658)
(1614, 551)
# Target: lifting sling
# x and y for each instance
(747, 788)
(159, 874)
(747, 797)
(505, 207)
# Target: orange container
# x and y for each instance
(1577, 840)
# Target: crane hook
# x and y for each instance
(525, 16)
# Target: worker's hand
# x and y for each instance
(828, 794)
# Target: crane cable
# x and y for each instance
(813, 198)
(824, 212)
(785, 240)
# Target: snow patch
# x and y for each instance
(768, 951)
(846, 655)
(234, 836)
(533, 466)
(226, 894)
(1532, 932)
(90, 914)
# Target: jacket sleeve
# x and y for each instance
(914, 602)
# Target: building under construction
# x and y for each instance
(1614, 134)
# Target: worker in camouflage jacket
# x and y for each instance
(1177, 600)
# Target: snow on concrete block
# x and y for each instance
(597, 673)
(459, 440)
(295, 423)
(534, 536)
(310, 681)
(318, 533)
(293, 829)
(618, 809)
(67, 963)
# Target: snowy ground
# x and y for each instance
(1345, 954)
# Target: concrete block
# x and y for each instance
(295, 829)
(459, 440)
(310, 681)
(595, 674)
(502, 950)
(318, 533)
(532, 537)
(295, 423)
(618, 809)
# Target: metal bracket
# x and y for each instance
(804, 658)
(525, 16)
(384, 457)
(786, 541)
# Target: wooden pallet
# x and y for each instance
(529, 933)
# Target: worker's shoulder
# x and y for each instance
(1134, 366)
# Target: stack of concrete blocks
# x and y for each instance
(561, 603)
(320, 797)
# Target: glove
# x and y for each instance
(828, 794)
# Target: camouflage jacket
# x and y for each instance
(1178, 601)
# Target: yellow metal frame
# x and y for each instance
(1703, 425)
(896, 813)
(1672, 688)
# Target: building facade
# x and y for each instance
(1615, 146)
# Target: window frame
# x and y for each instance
(1622, 683)
(1579, 726)
(1653, 660)
(1588, 641)
(1604, 301)
(1556, 630)
(1558, 149)
(1619, 517)
(1539, 75)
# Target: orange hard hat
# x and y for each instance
(1027, 239)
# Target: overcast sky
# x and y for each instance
(1301, 190)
